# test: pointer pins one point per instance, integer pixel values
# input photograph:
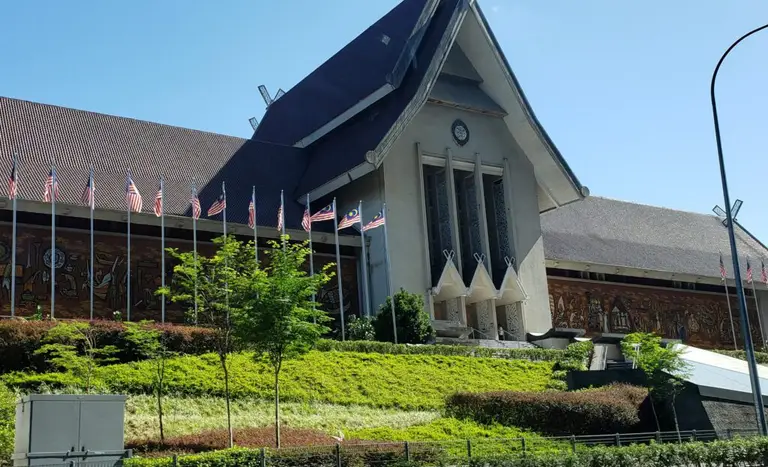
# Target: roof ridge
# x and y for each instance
(121, 117)
(666, 208)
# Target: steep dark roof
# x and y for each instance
(361, 67)
(345, 148)
(618, 233)
(40, 132)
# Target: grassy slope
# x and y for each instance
(184, 415)
(410, 382)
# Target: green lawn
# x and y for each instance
(407, 382)
(188, 415)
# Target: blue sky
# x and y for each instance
(622, 87)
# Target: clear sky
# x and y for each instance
(622, 87)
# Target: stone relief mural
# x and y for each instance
(697, 318)
(71, 263)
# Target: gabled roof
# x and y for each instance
(609, 232)
(352, 74)
(346, 147)
(76, 138)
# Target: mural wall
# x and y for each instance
(71, 261)
(697, 318)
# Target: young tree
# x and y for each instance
(663, 367)
(218, 281)
(151, 344)
(74, 348)
(278, 318)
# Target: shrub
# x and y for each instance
(19, 339)
(752, 451)
(575, 358)
(7, 421)
(413, 323)
(360, 329)
(760, 357)
(611, 409)
(388, 348)
(345, 378)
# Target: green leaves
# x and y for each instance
(662, 365)
(413, 323)
(277, 316)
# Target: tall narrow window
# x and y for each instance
(438, 219)
(469, 222)
(498, 231)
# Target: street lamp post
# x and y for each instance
(753, 376)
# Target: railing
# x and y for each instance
(459, 452)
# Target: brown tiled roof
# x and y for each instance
(76, 138)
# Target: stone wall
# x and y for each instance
(698, 318)
(33, 263)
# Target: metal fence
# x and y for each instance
(459, 452)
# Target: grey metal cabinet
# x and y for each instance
(69, 430)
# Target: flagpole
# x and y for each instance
(194, 245)
(54, 182)
(128, 267)
(255, 227)
(730, 314)
(162, 249)
(364, 263)
(311, 252)
(282, 218)
(338, 269)
(224, 222)
(13, 234)
(389, 272)
(93, 201)
(759, 319)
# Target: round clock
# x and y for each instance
(460, 132)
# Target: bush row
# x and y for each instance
(389, 348)
(761, 357)
(752, 451)
(610, 409)
(7, 421)
(19, 339)
(346, 378)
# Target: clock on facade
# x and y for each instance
(460, 132)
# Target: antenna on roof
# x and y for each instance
(265, 95)
(254, 123)
(720, 212)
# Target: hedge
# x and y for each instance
(760, 357)
(7, 422)
(611, 409)
(388, 348)
(753, 451)
(345, 378)
(20, 338)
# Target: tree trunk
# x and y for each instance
(674, 415)
(277, 407)
(223, 360)
(653, 408)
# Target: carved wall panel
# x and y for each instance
(697, 318)
(33, 286)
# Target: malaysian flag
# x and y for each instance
(133, 201)
(306, 220)
(763, 275)
(218, 206)
(352, 217)
(377, 221)
(280, 217)
(194, 201)
(159, 200)
(12, 181)
(252, 213)
(89, 198)
(51, 192)
(723, 274)
(749, 272)
(325, 214)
